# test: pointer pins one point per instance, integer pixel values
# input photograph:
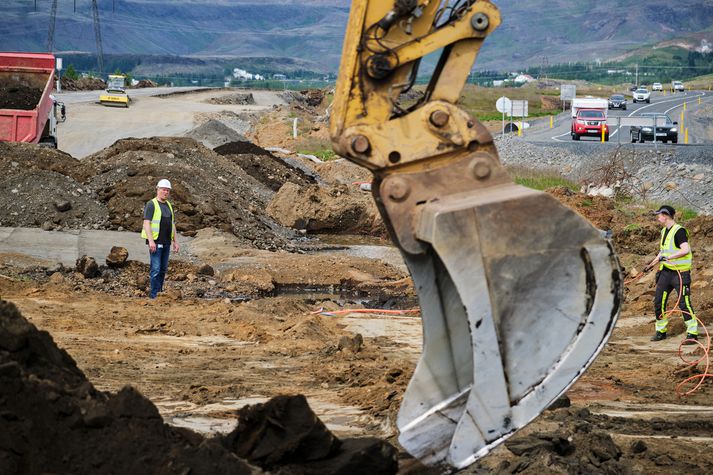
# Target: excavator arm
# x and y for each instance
(518, 293)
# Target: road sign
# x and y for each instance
(503, 104)
(519, 109)
(568, 92)
(59, 64)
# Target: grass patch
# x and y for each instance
(684, 214)
(324, 155)
(544, 182)
(540, 179)
(631, 227)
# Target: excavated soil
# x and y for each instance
(19, 97)
(108, 190)
(248, 327)
(56, 421)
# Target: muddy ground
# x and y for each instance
(241, 323)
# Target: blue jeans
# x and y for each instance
(159, 266)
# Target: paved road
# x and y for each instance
(671, 104)
(67, 246)
(75, 97)
(91, 127)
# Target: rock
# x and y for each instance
(62, 206)
(639, 446)
(698, 177)
(47, 226)
(117, 257)
(671, 185)
(205, 269)
(142, 281)
(282, 430)
(352, 344)
(88, 267)
(56, 278)
(560, 402)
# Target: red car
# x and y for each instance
(590, 122)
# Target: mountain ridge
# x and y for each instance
(532, 33)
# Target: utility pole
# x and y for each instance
(637, 74)
(53, 21)
(98, 36)
(75, 6)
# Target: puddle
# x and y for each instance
(340, 419)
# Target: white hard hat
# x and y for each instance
(164, 184)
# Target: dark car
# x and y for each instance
(633, 88)
(617, 101)
(666, 130)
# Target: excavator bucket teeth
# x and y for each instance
(518, 295)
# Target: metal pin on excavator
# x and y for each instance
(518, 293)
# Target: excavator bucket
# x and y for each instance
(518, 292)
(518, 295)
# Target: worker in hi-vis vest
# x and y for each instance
(674, 260)
(159, 230)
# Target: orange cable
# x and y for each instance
(701, 377)
(365, 310)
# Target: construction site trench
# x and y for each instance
(248, 362)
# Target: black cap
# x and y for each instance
(666, 209)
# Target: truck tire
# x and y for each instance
(606, 137)
(633, 139)
(575, 137)
(641, 138)
(674, 140)
(648, 101)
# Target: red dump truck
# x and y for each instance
(28, 111)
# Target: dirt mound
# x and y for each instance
(284, 431)
(54, 420)
(597, 209)
(240, 99)
(311, 98)
(82, 84)
(208, 189)
(241, 147)
(215, 133)
(39, 188)
(336, 209)
(145, 83)
(341, 171)
(263, 166)
(19, 97)
(588, 443)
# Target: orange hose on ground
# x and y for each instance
(366, 310)
(690, 364)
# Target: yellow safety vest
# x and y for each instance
(156, 220)
(668, 248)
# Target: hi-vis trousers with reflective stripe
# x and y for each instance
(666, 282)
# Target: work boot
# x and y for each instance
(658, 336)
(690, 339)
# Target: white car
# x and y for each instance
(657, 86)
(642, 95)
(677, 86)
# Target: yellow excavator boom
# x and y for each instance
(518, 293)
